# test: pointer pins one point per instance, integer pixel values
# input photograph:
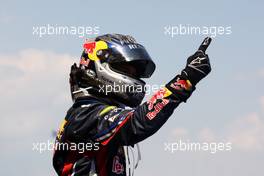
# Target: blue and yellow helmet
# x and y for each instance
(116, 62)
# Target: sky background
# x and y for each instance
(228, 106)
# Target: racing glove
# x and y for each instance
(197, 67)
(75, 74)
(78, 76)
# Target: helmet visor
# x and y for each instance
(132, 60)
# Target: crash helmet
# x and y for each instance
(113, 66)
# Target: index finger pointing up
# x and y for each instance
(206, 42)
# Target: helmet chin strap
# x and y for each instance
(93, 90)
(84, 92)
(81, 92)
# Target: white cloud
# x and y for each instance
(180, 133)
(35, 96)
(247, 133)
(261, 73)
(243, 76)
(34, 88)
(262, 103)
(6, 18)
(206, 135)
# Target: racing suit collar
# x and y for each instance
(101, 99)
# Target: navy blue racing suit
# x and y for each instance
(106, 127)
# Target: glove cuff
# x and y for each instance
(180, 87)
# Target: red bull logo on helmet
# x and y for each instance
(89, 47)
